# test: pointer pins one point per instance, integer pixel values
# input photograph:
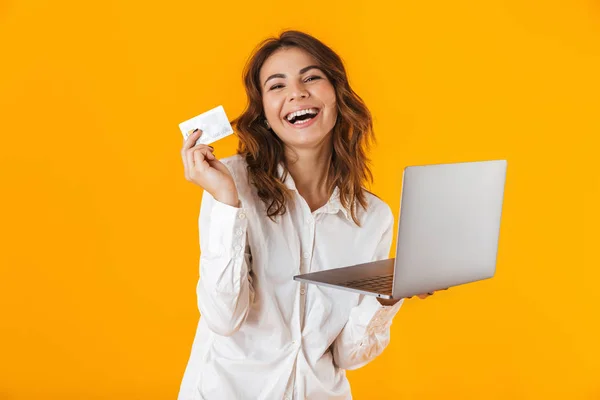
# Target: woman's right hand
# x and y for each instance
(202, 168)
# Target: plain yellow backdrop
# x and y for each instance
(99, 241)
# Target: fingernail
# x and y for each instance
(212, 148)
(195, 130)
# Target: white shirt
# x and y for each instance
(264, 336)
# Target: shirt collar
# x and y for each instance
(333, 205)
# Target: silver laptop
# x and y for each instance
(447, 233)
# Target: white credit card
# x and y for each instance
(214, 125)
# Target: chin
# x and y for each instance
(307, 139)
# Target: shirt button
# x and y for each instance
(294, 343)
(302, 291)
(238, 247)
(242, 216)
(306, 254)
(238, 232)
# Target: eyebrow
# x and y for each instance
(303, 70)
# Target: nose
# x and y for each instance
(298, 92)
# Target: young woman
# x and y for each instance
(291, 201)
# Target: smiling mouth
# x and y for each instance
(302, 117)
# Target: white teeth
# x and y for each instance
(301, 112)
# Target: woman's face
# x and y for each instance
(298, 99)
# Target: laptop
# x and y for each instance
(448, 233)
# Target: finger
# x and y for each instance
(200, 146)
(200, 157)
(198, 161)
(187, 163)
(188, 154)
(204, 159)
(210, 158)
(207, 152)
(193, 136)
(191, 139)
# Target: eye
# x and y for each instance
(276, 86)
(312, 78)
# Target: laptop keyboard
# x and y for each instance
(377, 284)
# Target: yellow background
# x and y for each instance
(99, 245)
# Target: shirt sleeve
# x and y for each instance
(224, 289)
(367, 332)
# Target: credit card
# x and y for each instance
(214, 125)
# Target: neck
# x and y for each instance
(310, 170)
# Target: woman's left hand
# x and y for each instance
(391, 302)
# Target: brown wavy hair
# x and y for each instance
(352, 133)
